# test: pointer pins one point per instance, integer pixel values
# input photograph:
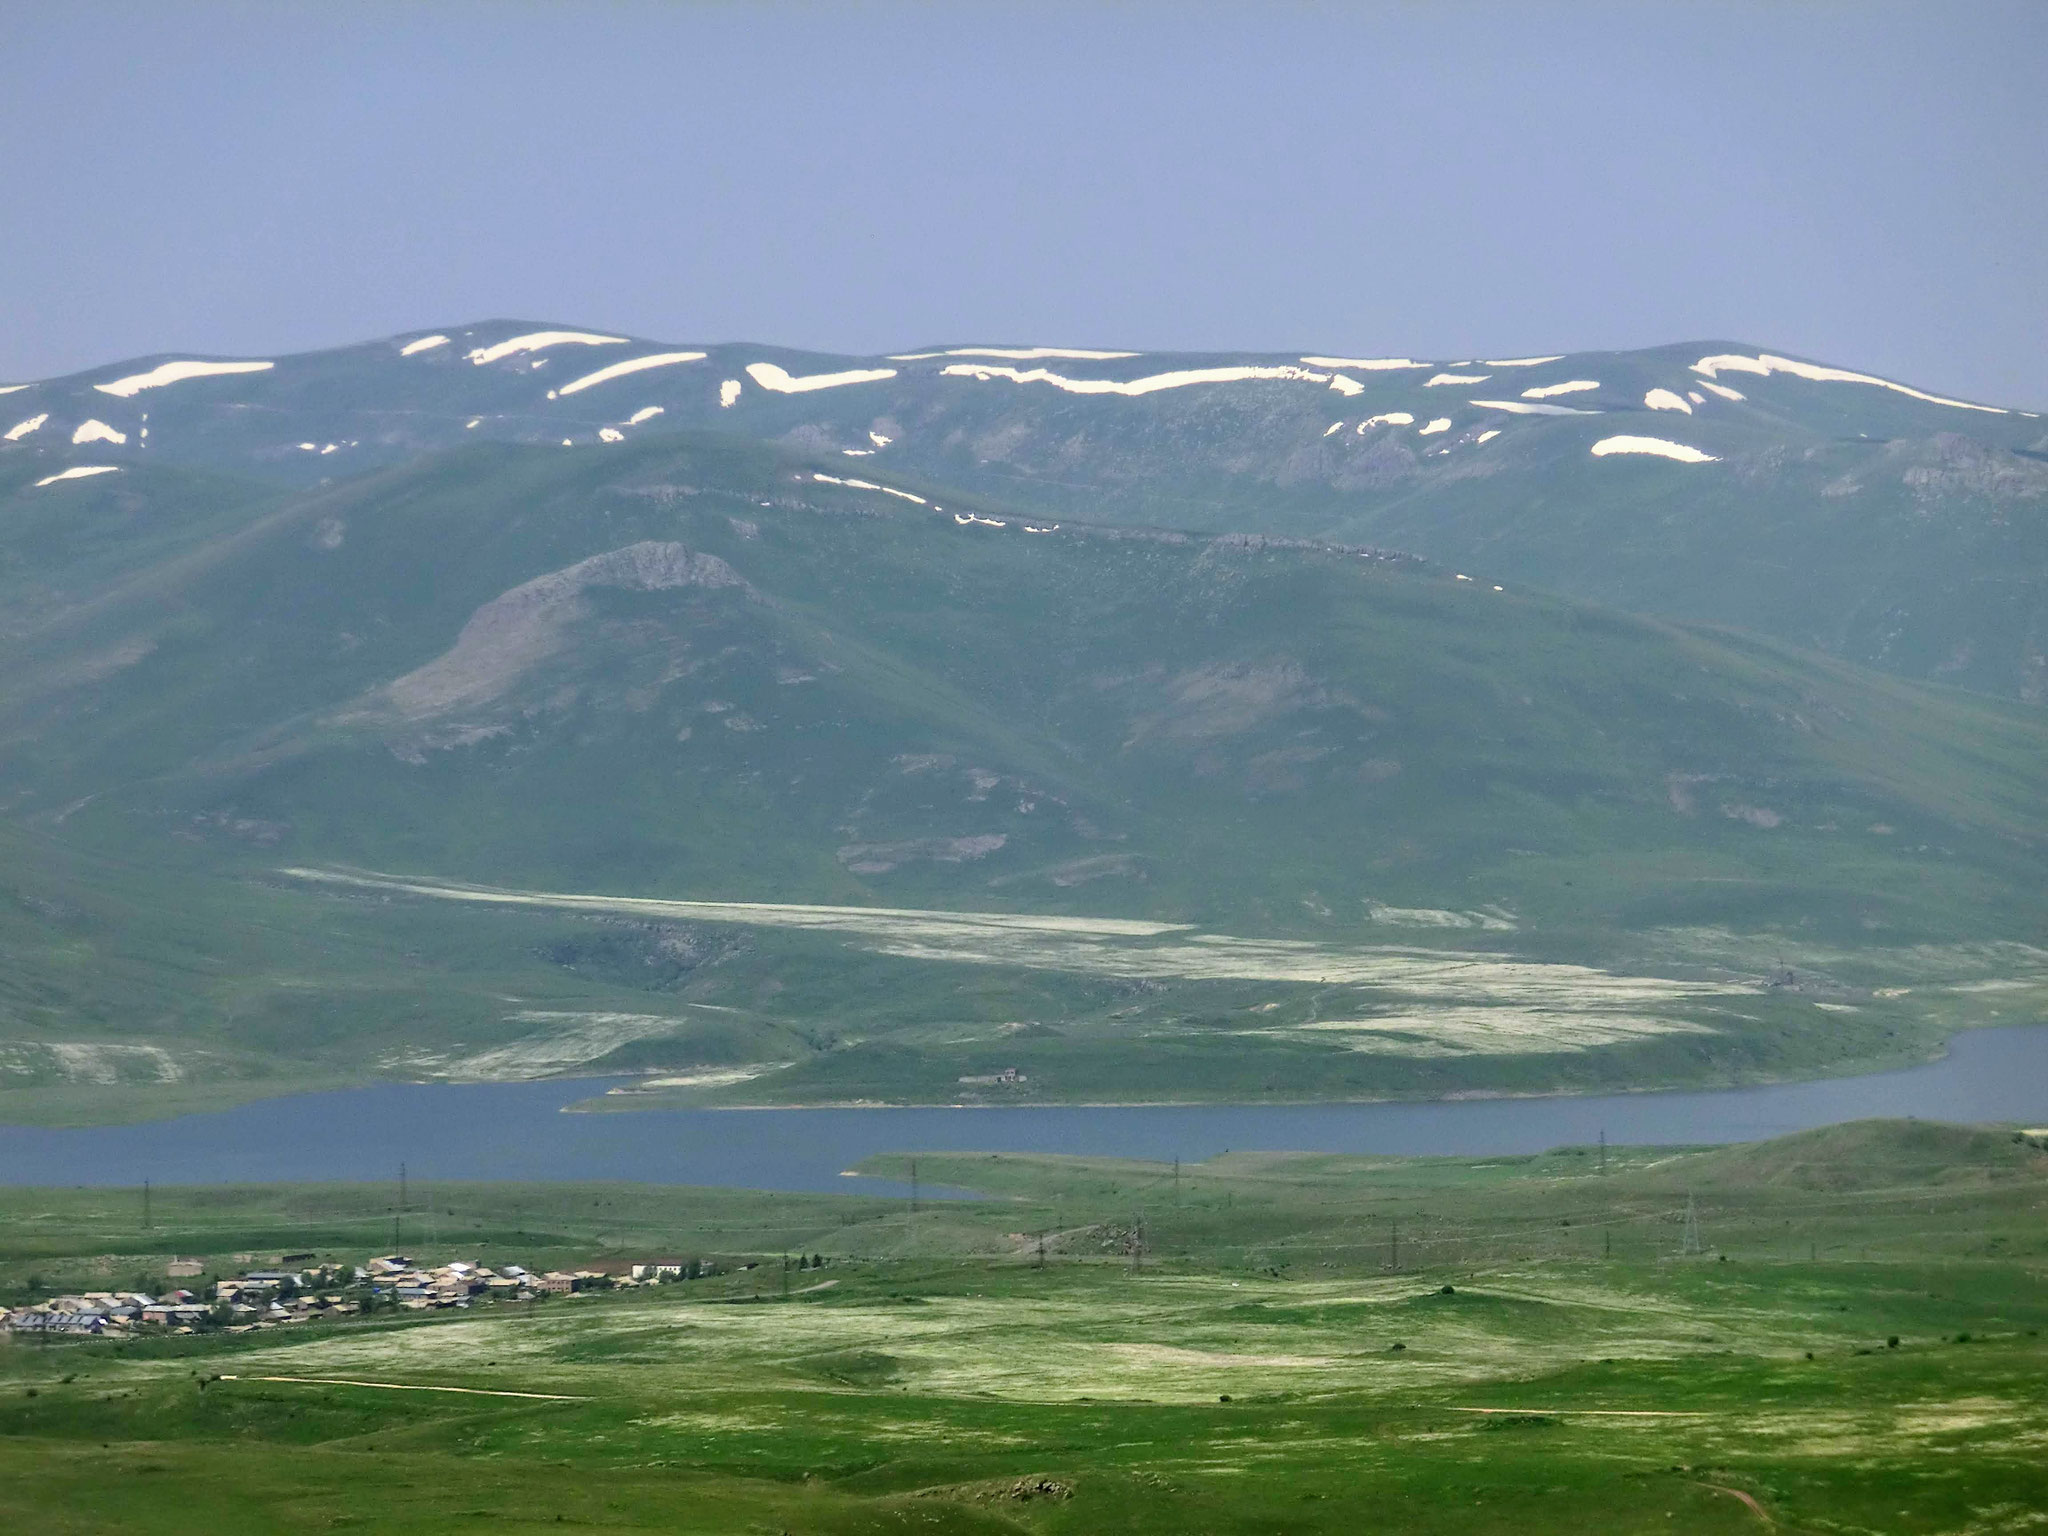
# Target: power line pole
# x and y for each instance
(1394, 1244)
(913, 1186)
(1691, 1243)
(145, 1205)
(1041, 1250)
(1176, 1181)
(1606, 1241)
(1603, 1149)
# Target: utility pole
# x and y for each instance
(1041, 1250)
(1606, 1241)
(913, 1186)
(1394, 1244)
(1603, 1149)
(1176, 1181)
(145, 1205)
(1691, 1243)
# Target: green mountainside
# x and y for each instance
(1831, 509)
(787, 776)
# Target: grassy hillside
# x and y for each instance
(1258, 1344)
(1382, 827)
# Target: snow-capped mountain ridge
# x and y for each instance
(1711, 479)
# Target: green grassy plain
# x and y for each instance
(1236, 1346)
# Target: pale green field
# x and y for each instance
(1855, 1349)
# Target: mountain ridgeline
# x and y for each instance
(1712, 481)
(810, 728)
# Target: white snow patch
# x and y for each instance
(1151, 383)
(1522, 362)
(1491, 432)
(1568, 387)
(1655, 445)
(610, 435)
(858, 453)
(1665, 400)
(309, 447)
(1441, 424)
(424, 344)
(768, 376)
(1724, 391)
(473, 423)
(965, 519)
(1766, 364)
(1373, 363)
(645, 413)
(97, 432)
(1530, 408)
(869, 485)
(330, 448)
(1455, 378)
(634, 365)
(79, 472)
(728, 392)
(8, 389)
(1335, 426)
(22, 429)
(1054, 528)
(879, 440)
(1390, 419)
(1019, 354)
(172, 373)
(534, 341)
(1346, 387)
(1695, 397)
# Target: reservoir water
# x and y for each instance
(515, 1131)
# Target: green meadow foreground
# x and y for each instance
(1834, 1332)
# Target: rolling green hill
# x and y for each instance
(700, 755)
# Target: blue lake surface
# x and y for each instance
(515, 1131)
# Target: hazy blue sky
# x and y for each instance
(1859, 182)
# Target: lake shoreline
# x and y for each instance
(619, 1100)
(515, 1132)
(76, 1107)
